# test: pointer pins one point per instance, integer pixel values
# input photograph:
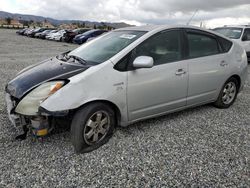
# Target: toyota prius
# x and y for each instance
(125, 76)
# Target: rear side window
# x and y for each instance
(202, 45)
(225, 44)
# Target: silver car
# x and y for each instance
(125, 76)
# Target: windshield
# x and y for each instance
(230, 32)
(106, 46)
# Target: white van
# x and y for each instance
(240, 34)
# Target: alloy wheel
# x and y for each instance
(229, 93)
(96, 127)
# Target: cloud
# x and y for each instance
(136, 11)
(189, 6)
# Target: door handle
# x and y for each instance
(180, 72)
(223, 63)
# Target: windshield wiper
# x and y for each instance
(63, 56)
(79, 59)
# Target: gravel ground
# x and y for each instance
(199, 147)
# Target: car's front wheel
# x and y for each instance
(92, 126)
(228, 93)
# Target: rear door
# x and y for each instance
(207, 67)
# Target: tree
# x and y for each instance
(25, 23)
(31, 22)
(8, 20)
(39, 24)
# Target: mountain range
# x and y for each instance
(56, 22)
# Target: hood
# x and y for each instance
(34, 75)
(79, 35)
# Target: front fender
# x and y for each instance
(99, 82)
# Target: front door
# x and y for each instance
(162, 88)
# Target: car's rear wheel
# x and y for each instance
(92, 126)
(228, 93)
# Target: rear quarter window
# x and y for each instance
(225, 44)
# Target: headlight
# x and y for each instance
(30, 103)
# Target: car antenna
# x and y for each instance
(192, 17)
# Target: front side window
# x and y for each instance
(201, 45)
(107, 46)
(230, 32)
(163, 47)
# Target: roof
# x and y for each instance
(158, 27)
(141, 28)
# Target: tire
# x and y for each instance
(89, 130)
(228, 94)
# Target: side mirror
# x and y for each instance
(143, 62)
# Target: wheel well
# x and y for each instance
(110, 104)
(238, 79)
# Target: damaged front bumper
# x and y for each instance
(40, 125)
(16, 119)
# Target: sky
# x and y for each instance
(212, 13)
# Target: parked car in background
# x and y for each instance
(81, 38)
(37, 35)
(33, 32)
(28, 31)
(44, 34)
(127, 75)
(57, 36)
(21, 32)
(241, 34)
(50, 35)
(70, 34)
(92, 38)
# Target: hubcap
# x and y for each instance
(229, 93)
(96, 127)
